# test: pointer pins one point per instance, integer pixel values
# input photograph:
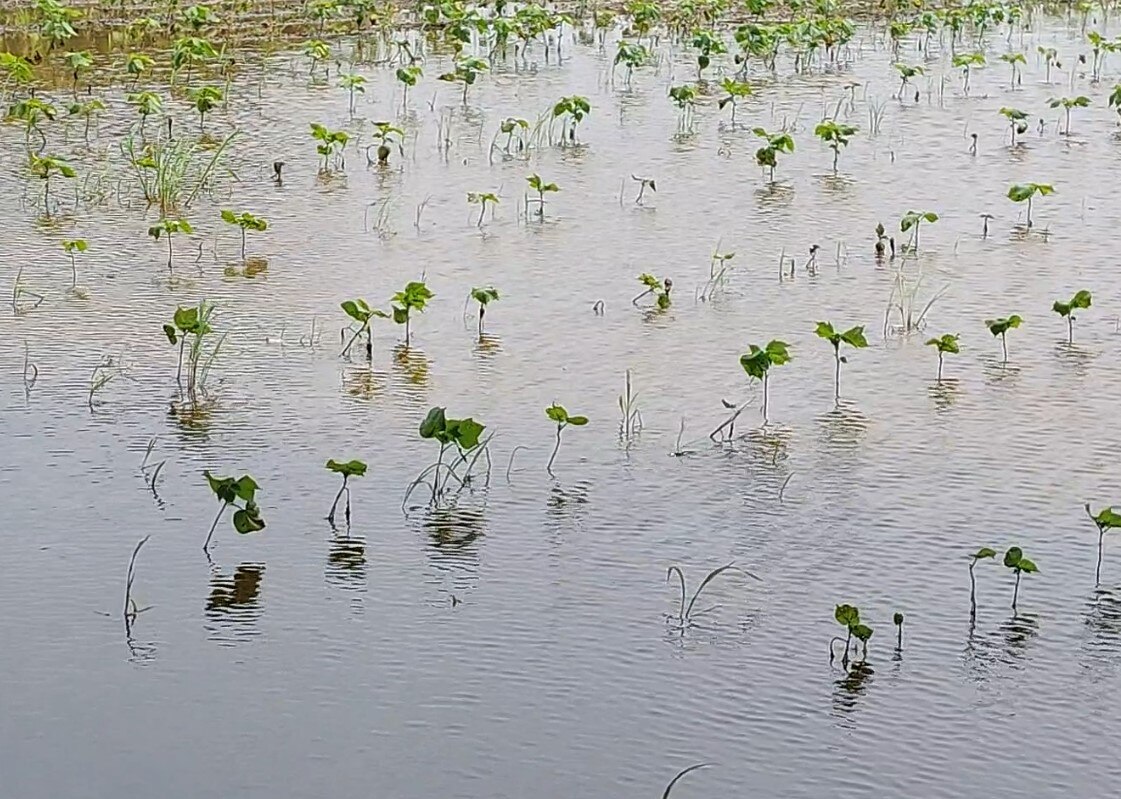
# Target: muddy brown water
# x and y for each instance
(518, 642)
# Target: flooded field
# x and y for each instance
(517, 634)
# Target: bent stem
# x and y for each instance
(1004, 346)
(556, 449)
(837, 376)
(335, 504)
(972, 591)
(213, 527)
(130, 610)
(1016, 591)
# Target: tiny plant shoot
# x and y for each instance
(230, 491)
(1000, 327)
(659, 288)
(347, 469)
(734, 91)
(414, 297)
(245, 221)
(167, 228)
(1068, 104)
(1024, 192)
(848, 616)
(71, 247)
(484, 296)
(984, 553)
(1080, 301)
(912, 220)
(1014, 559)
(836, 136)
(1105, 520)
(542, 188)
(362, 314)
(854, 337)
(1017, 121)
(897, 619)
(560, 415)
(947, 342)
(767, 155)
(757, 362)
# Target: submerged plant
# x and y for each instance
(542, 188)
(167, 227)
(1115, 100)
(685, 98)
(1069, 103)
(854, 337)
(1017, 121)
(43, 167)
(560, 415)
(462, 435)
(984, 553)
(685, 611)
(192, 325)
(205, 99)
(836, 135)
(659, 288)
(1024, 192)
(482, 199)
(965, 62)
(414, 297)
(1105, 520)
(907, 72)
(466, 71)
(230, 491)
(848, 616)
(757, 362)
(946, 343)
(347, 469)
(897, 619)
(1014, 60)
(362, 314)
(354, 84)
(484, 296)
(1000, 327)
(71, 247)
(767, 155)
(571, 111)
(387, 134)
(734, 91)
(912, 220)
(632, 55)
(1080, 301)
(136, 64)
(708, 44)
(245, 221)
(1014, 559)
(408, 77)
(331, 143)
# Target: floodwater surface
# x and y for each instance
(519, 640)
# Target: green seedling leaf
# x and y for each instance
(862, 632)
(984, 552)
(1013, 557)
(434, 423)
(847, 615)
(353, 468)
(557, 413)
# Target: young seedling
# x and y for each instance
(659, 288)
(571, 111)
(32, 111)
(905, 74)
(466, 71)
(947, 342)
(484, 296)
(1050, 57)
(632, 55)
(898, 620)
(1017, 121)
(245, 221)
(481, 198)
(387, 134)
(1067, 104)
(1024, 192)
(984, 553)
(1115, 101)
(408, 76)
(734, 90)
(414, 297)
(205, 99)
(559, 415)
(708, 43)
(511, 127)
(836, 136)
(684, 97)
(912, 220)
(757, 362)
(43, 167)
(136, 64)
(1105, 520)
(363, 314)
(331, 143)
(1014, 559)
(1080, 301)
(854, 337)
(147, 104)
(965, 62)
(230, 491)
(1000, 327)
(87, 110)
(71, 247)
(848, 616)
(354, 84)
(317, 51)
(643, 183)
(684, 616)
(167, 228)
(882, 241)
(464, 435)
(78, 63)
(192, 324)
(767, 155)
(1014, 60)
(347, 469)
(542, 188)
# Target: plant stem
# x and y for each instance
(1070, 329)
(1098, 572)
(940, 358)
(331, 515)
(1016, 591)
(765, 375)
(837, 379)
(1004, 346)
(549, 466)
(221, 510)
(169, 254)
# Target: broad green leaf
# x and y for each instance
(1108, 519)
(169, 331)
(847, 615)
(1013, 557)
(465, 432)
(1028, 566)
(984, 552)
(862, 632)
(579, 421)
(353, 468)
(825, 330)
(434, 423)
(854, 337)
(557, 413)
(248, 520)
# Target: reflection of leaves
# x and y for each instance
(241, 590)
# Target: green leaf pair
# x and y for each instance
(758, 361)
(464, 433)
(560, 415)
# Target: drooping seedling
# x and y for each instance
(848, 616)
(1050, 58)
(906, 72)
(245, 221)
(1068, 104)
(685, 98)
(147, 103)
(1014, 60)
(71, 247)
(984, 553)
(632, 55)
(1000, 327)
(362, 314)
(965, 62)
(571, 112)
(757, 362)
(167, 228)
(230, 491)
(539, 185)
(408, 76)
(354, 84)
(707, 44)
(414, 297)
(1080, 301)
(685, 612)
(386, 135)
(1105, 520)
(482, 199)
(1017, 121)
(191, 326)
(897, 619)
(484, 296)
(1014, 559)
(205, 99)
(836, 135)
(947, 342)
(136, 64)
(659, 288)
(734, 91)
(767, 155)
(317, 52)
(466, 71)
(560, 415)
(912, 221)
(1024, 192)
(854, 337)
(348, 469)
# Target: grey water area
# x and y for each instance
(522, 639)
